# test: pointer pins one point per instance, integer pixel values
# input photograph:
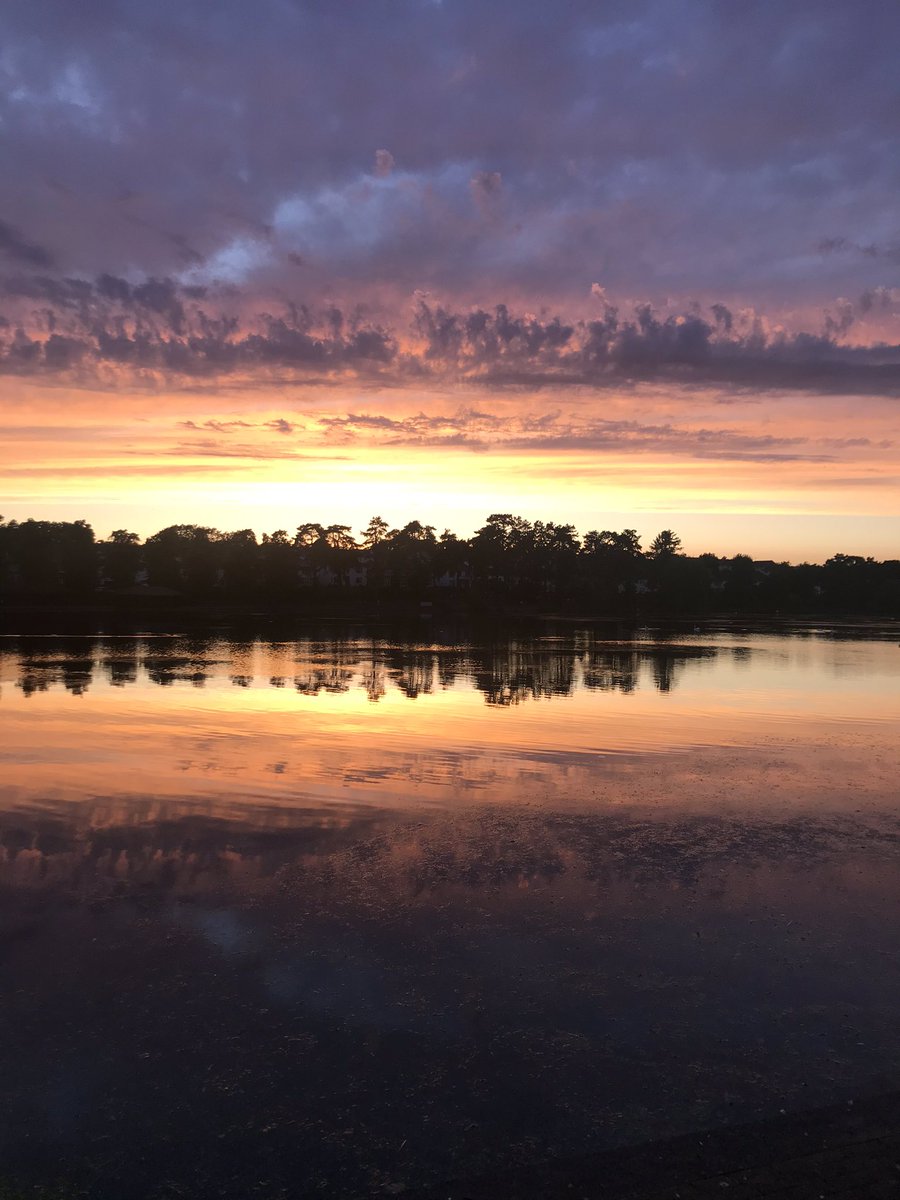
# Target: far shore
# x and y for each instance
(118, 614)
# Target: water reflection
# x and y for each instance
(505, 673)
(269, 927)
(177, 741)
(391, 998)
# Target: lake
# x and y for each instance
(354, 911)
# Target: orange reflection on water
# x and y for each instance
(225, 728)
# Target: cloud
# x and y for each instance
(631, 143)
(218, 448)
(14, 246)
(553, 433)
(162, 327)
(171, 468)
(362, 421)
(500, 347)
(636, 143)
(842, 245)
(420, 428)
(487, 191)
(111, 331)
(839, 320)
(879, 298)
(218, 426)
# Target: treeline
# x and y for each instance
(509, 561)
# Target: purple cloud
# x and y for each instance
(160, 329)
(747, 152)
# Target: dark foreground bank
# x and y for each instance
(845, 1152)
(848, 1151)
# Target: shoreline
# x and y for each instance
(97, 618)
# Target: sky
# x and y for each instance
(624, 265)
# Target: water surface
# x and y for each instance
(358, 911)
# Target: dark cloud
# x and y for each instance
(505, 349)
(842, 245)
(723, 317)
(160, 296)
(60, 293)
(14, 246)
(158, 327)
(879, 299)
(635, 141)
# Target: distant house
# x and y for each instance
(455, 580)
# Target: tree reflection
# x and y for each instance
(506, 673)
(119, 670)
(412, 672)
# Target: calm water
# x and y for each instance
(357, 913)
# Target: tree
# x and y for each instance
(610, 566)
(308, 534)
(182, 557)
(46, 557)
(238, 560)
(500, 550)
(740, 582)
(314, 549)
(554, 551)
(78, 556)
(452, 556)
(666, 544)
(339, 537)
(376, 531)
(628, 542)
(412, 553)
(341, 551)
(278, 563)
(121, 556)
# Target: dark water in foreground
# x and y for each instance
(342, 915)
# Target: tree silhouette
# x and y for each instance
(49, 557)
(121, 558)
(510, 563)
(181, 557)
(666, 544)
(376, 531)
(277, 558)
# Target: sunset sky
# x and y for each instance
(615, 264)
